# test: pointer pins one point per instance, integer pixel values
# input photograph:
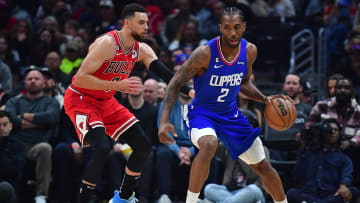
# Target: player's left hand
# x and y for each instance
(163, 133)
(344, 192)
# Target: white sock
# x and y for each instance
(192, 197)
(284, 201)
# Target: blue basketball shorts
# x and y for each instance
(233, 130)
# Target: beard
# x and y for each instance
(343, 99)
(137, 37)
(34, 90)
(48, 89)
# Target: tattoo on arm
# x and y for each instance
(189, 69)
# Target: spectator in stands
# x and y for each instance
(150, 91)
(305, 95)
(209, 27)
(45, 9)
(51, 88)
(161, 89)
(83, 46)
(62, 12)
(165, 57)
(199, 9)
(175, 23)
(190, 38)
(5, 77)
(324, 172)
(21, 38)
(53, 62)
(347, 62)
(33, 116)
(156, 17)
(282, 8)
(107, 16)
(45, 43)
(173, 162)
(70, 28)
(12, 154)
(343, 108)
(331, 83)
(72, 61)
(9, 55)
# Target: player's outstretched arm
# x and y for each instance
(195, 65)
(247, 87)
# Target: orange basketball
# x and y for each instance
(280, 114)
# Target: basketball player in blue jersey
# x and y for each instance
(219, 68)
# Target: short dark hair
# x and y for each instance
(31, 68)
(232, 10)
(130, 9)
(4, 114)
(297, 75)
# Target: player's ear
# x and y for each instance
(244, 27)
(126, 21)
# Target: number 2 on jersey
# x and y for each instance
(224, 92)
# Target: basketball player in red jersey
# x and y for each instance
(96, 114)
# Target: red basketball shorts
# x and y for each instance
(85, 112)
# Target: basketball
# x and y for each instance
(280, 113)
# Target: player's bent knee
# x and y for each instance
(208, 144)
(99, 141)
(262, 167)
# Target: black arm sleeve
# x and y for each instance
(160, 69)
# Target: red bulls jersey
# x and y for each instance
(117, 68)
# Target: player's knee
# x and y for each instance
(262, 167)
(208, 144)
(138, 141)
(99, 141)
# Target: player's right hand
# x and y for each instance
(129, 85)
(163, 133)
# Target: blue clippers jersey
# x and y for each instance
(216, 90)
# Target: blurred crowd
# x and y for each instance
(43, 43)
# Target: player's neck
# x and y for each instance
(126, 39)
(136, 102)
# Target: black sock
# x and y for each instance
(86, 192)
(128, 186)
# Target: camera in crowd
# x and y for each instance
(313, 136)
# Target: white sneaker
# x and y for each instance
(40, 199)
(164, 198)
